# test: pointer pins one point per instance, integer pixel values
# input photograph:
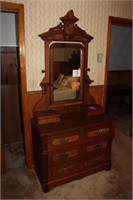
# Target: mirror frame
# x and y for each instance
(67, 31)
(82, 54)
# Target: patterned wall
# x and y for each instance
(40, 15)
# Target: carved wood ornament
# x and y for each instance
(67, 30)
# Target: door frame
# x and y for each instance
(19, 9)
(112, 21)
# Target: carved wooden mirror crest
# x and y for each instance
(65, 84)
(67, 30)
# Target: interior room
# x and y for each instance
(66, 99)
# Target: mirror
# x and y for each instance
(67, 72)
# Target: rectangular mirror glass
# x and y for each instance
(66, 73)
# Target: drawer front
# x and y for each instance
(65, 140)
(98, 132)
(65, 170)
(56, 157)
(65, 155)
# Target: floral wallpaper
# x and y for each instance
(40, 15)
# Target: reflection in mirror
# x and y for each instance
(66, 73)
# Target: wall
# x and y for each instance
(93, 15)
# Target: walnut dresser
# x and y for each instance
(72, 135)
(72, 148)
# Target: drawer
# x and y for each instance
(98, 132)
(65, 140)
(61, 156)
(65, 170)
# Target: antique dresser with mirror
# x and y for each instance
(72, 137)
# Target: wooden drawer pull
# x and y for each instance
(64, 156)
(63, 170)
(98, 146)
(97, 160)
(100, 132)
(64, 140)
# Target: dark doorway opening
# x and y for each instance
(11, 103)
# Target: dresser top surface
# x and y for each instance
(74, 122)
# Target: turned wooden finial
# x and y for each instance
(69, 18)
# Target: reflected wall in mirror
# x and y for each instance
(67, 73)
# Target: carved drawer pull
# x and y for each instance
(64, 140)
(63, 170)
(98, 146)
(97, 160)
(100, 132)
(64, 156)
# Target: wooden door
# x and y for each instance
(10, 98)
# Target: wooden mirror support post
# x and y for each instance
(72, 138)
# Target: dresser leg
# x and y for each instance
(45, 187)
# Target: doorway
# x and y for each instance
(11, 110)
(19, 52)
(11, 115)
(118, 71)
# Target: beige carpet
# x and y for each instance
(20, 183)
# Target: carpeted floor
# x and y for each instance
(21, 183)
